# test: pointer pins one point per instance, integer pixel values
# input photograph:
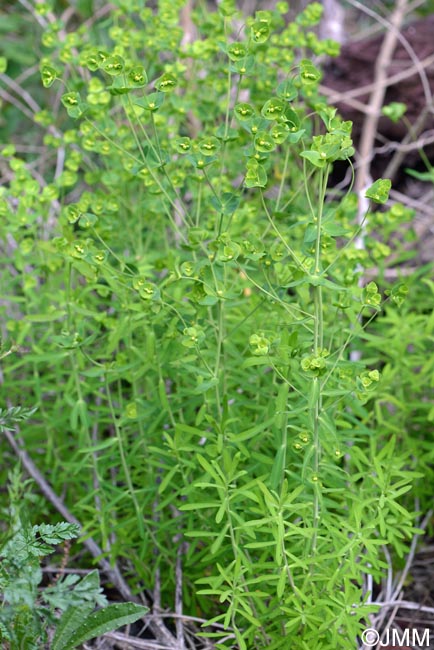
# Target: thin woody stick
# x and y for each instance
(377, 97)
(370, 124)
(350, 96)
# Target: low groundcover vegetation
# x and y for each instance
(228, 394)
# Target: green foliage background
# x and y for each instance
(185, 310)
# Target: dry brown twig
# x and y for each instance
(390, 598)
(389, 26)
(377, 97)
(423, 208)
(179, 624)
(381, 81)
(132, 642)
(350, 96)
(372, 116)
(406, 147)
(413, 132)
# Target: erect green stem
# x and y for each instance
(228, 106)
(123, 458)
(142, 161)
(283, 179)
(220, 334)
(88, 442)
(277, 231)
(315, 399)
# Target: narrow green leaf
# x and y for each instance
(109, 442)
(250, 433)
(209, 468)
(270, 542)
(197, 506)
(278, 468)
(218, 542)
(282, 582)
(46, 318)
(167, 479)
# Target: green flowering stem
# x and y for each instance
(277, 231)
(228, 90)
(156, 153)
(123, 458)
(180, 234)
(209, 183)
(227, 113)
(183, 214)
(157, 139)
(219, 224)
(156, 149)
(315, 398)
(279, 466)
(89, 442)
(219, 373)
(293, 311)
(198, 205)
(283, 179)
(315, 408)
(68, 291)
(121, 262)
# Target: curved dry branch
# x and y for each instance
(160, 631)
(377, 96)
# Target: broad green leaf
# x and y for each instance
(256, 176)
(394, 111)
(137, 77)
(244, 112)
(314, 157)
(73, 104)
(260, 32)
(151, 102)
(68, 625)
(113, 65)
(166, 83)
(237, 51)
(273, 109)
(379, 191)
(102, 621)
(264, 143)
(48, 75)
(309, 74)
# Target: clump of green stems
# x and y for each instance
(197, 301)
